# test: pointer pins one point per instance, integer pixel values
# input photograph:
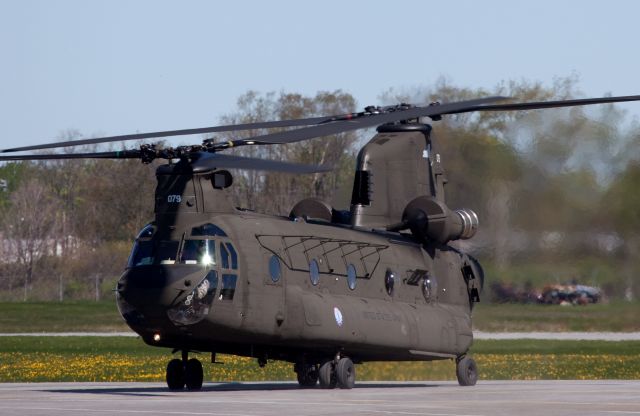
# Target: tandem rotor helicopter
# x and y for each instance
(321, 288)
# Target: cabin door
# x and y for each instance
(275, 288)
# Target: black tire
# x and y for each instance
(175, 375)
(307, 375)
(467, 372)
(346, 373)
(194, 374)
(327, 375)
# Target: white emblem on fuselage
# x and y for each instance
(338, 315)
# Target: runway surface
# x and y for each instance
(558, 336)
(521, 398)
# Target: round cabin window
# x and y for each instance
(351, 276)
(389, 281)
(274, 268)
(314, 272)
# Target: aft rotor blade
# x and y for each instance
(125, 154)
(306, 133)
(208, 161)
(182, 132)
(535, 105)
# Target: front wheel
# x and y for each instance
(175, 375)
(194, 374)
(467, 372)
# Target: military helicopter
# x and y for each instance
(321, 288)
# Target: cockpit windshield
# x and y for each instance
(147, 252)
(200, 248)
(199, 252)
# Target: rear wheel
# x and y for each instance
(466, 371)
(345, 373)
(175, 375)
(327, 375)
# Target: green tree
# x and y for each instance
(274, 192)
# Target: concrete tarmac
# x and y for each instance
(520, 398)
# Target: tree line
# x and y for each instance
(555, 191)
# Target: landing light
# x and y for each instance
(156, 337)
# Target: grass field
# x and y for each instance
(614, 316)
(129, 359)
(79, 316)
(33, 359)
(103, 317)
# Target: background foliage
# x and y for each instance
(556, 192)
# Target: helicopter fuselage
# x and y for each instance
(205, 276)
(283, 291)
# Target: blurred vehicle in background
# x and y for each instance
(557, 294)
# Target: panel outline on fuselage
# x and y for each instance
(283, 252)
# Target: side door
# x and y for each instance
(274, 288)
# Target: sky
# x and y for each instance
(117, 67)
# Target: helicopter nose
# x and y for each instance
(151, 290)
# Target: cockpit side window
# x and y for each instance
(234, 256)
(142, 253)
(224, 256)
(228, 256)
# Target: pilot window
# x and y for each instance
(199, 252)
(228, 286)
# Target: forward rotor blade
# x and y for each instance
(125, 154)
(535, 105)
(319, 122)
(305, 133)
(207, 161)
(182, 132)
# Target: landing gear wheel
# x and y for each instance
(307, 375)
(175, 375)
(345, 373)
(466, 371)
(193, 374)
(327, 375)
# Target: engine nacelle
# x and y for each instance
(428, 218)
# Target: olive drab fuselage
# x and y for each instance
(205, 276)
